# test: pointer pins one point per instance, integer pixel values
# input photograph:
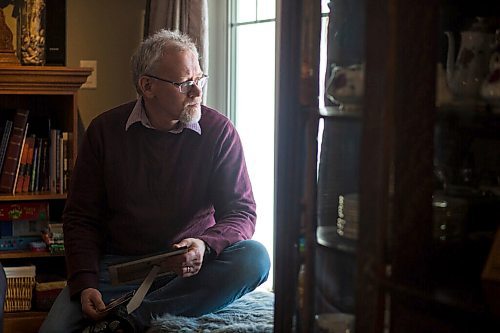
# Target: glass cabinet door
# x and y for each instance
(388, 166)
(339, 135)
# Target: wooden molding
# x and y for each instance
(26, 79)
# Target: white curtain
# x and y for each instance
(187, 16)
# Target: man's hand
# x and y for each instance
(189, 263)
(92, 304)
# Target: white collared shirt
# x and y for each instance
(138, 114)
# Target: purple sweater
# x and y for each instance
(139, 191)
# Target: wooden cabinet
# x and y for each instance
(405, 271)
(49, 92)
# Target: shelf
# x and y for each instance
(27, 254)
(44, 79)
(327, 236)
(334, 111)
(25, 322)
(460, 298)
(33, 196)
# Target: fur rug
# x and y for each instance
(252, 313)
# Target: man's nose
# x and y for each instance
(195, 91)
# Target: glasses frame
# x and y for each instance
(188, 84)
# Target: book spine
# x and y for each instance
(52, 159)
(9, 172)
(38, 176)
(29, 164)
(5, 141)
(44, 167)
(18, 168)
(65, 160)
(22, 167)
(36, 150)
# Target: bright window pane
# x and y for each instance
(254, 93)
(245, 10)
(266, 9)
(323, 60)
(324, 6)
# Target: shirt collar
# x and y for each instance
(138, 114)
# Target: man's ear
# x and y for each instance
(145, 84)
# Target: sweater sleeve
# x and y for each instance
(231, 192)
(84, 231)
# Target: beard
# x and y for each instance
(190, 114)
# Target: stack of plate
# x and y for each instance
(348, 216)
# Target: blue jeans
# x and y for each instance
(239, 269)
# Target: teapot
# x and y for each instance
(465, 74)
(490, 90)
(346, 87)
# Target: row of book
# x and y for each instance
(31, 162)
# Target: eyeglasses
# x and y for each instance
(186, 86)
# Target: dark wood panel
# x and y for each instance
(23, 322)
(289, 166)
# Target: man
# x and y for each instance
(154, 174)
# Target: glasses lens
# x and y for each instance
(202, 81)
(186, 86)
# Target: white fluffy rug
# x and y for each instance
(252, 313)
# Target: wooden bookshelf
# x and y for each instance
(49, 92)
(30, 196)
(27, 254)
(23, 322)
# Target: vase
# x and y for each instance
(31, 32)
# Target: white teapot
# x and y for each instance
(346, 87)
(490, 89)
(466, 73)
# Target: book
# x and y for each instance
(16, 177)
(21, 170)
(53, 158)
(37, 175)
(138, 269)
(36, 210)
(12, 155)
(65, 155)
(43, 166)
(31, 186)
(29, 164)
(5, 140)
(23, 228)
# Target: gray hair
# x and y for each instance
(151, 50)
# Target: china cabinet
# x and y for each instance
(386, 211)
(47, 92)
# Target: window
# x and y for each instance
(242, 85)
(252, 44)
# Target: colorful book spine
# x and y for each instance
(9, 170)
(18, 169)
(24, 211)
(29, 164)
(22, 167)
